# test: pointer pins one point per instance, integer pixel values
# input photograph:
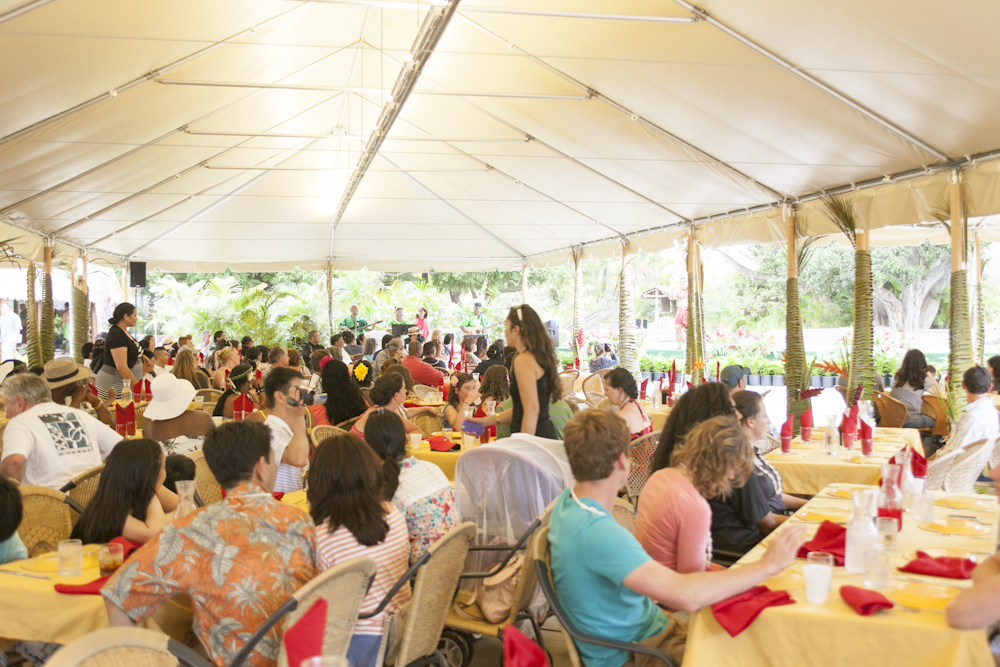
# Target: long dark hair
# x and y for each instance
(536, 340)
(912, 370)
(495, 384)
(385, 434)
(453, 392)
(345, 489)
(698, 405)
(994, 364)
(127, 485)
(343, 398)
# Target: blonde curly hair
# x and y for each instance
(711, 452)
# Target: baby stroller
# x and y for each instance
(504, 489)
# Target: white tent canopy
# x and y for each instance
(133, 130)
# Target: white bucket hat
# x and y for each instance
(171, 397)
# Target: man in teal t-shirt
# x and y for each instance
(605, 580)
(11, 513)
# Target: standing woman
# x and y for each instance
(121, 353)
(422, 323)
(533, 374)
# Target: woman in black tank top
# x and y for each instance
(534, 375)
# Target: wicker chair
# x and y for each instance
(892, 413)
(343, 587)
(126, 647)
(967, 467)
(212, 397)
(433, 595)
(939, 469)
(321, 433)
(574, 403)
(205, 485)
(569, 379)
(428, 423)
(640, 453)
(594, 383)
(624, 514)
(932, 407)
(141, 421)
(3, 427)
(422, 390)
(47, 519)
(355, 358)
(570, 633)
(83, 487)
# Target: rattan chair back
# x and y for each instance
(344, 588)
(321, 433)
(204, 481)
(47, 519)
(541, 553)
(936, 410)
(937, 470)
(594, 383)
(624, 514)
(437, 583)
(968, 466)
(568, 379)
(640, 453)
(348, 423)
(83, 487)
(141, 421)
(892, 413)
(428, 423)
(126, 647)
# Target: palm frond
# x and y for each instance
(840, 210)
(805, 251)
(942, 211)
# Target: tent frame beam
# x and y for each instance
(353, 137)
(401, 4)
(814, 82)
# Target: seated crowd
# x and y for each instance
(710, 491)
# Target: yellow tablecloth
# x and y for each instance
(30, 609)
(657, 416)
(807, 471)
(444, 460)
(833, 634)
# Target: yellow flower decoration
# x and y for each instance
(361, 372)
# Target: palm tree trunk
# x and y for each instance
(978, 319)
(46, 327)
(578, 288)
(960, 356)
(34, 344)
(628, 357)
(795, 347)
(81, 321)
(862, 358)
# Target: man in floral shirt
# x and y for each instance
(239, 559)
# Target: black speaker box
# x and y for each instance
(137, 274)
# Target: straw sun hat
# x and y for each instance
(171, 397)
(63, 371)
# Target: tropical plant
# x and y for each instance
(34, 342)
(949, 399)
(840, 211)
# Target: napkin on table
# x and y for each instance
(864, 601)
(304, 639)
(92, 588)
(120, 417)
(830, 538)
(737, 613)
(918, 464)
(865, 429)
(806, 420)
(786, 428)
(941, 566)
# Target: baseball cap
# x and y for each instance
(731, 375)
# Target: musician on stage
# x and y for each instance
(475, 323)
(354, 324)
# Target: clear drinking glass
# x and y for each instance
(490, 407)
(185, 498)
(110, 558)
(887, 531)
(70, 558)
(325, 661)
(818, 572)
(923, 507)
(831, 436)
(876, 568)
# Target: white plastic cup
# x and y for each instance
(876, 568)
(923, 507)
(818, 573)
(469, 440)
(70, 558)
(415, 439)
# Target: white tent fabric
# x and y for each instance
(586, 130)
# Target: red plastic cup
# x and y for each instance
(805, 433)
(120, 428)
(130, 428)
(786, 444)
(866, 446)
(848, 439)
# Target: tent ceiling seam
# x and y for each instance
(770, 192)
(23, 9)
(816, 83)
(146, 77)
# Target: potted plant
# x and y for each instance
(646, 365)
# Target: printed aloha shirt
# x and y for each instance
(425, 498)
(239, 560)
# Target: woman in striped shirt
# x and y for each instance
(346, 503)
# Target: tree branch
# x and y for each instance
(756, 275)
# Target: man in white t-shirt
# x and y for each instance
(289, 440)
(47, 444)
(160, 357)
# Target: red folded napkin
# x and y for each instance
(170, 361)
(941, 566)
(865, 429)
(864, 601)
(806, 420)
(141, 388)
(304, 640)
(130, 418)
(242, 407)
(259, 375)
(786, 428)
(918, 464)
(92, 588)
(830, 538)
(227, 377)
(440, 443)
(120, 419)
(93, 389)
(519, 651)
(642, 389)
(127, 546)
(737, 613)
(849, 425)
